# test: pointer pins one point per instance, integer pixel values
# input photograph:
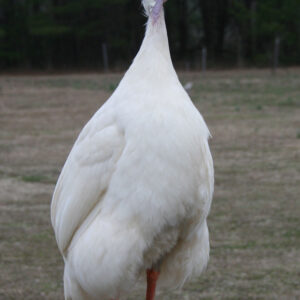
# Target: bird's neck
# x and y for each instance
(156, 38)
(153, 59)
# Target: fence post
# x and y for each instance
(276, 54)
(240, 62)
(105, 56)
(204, 59)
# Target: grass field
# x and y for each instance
(254, 223)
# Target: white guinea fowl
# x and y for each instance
(136, 189)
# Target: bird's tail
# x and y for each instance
(188, 259)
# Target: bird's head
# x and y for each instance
(153, 8)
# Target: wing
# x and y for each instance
(85, 176)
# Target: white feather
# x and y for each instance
(188, 86)
(137, 186)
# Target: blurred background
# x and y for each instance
(60, 60)
(106, 34)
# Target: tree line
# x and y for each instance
(97, 34)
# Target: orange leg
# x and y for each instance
(152, 277)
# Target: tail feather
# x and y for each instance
(188, 259)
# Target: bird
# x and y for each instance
(134, 194)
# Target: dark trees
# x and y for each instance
(64, 34)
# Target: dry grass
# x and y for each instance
(254, 223)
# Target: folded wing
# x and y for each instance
(85, 176)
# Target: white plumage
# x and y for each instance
(137, 186)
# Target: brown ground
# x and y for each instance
(255, 218)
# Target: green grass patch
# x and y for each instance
(42, 236)
(37, 178)
(289, 102)
(112, 87)
(248, 245)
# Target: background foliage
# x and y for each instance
(69, 34)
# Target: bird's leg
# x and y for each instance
(152, 276)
